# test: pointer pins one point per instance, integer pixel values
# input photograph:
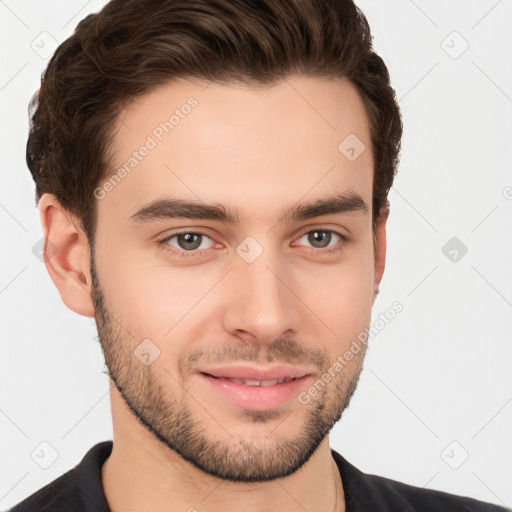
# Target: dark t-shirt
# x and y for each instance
(80, 490)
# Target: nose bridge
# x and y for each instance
(261, 304)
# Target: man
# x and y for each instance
(229, 238)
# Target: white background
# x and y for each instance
(437, 381)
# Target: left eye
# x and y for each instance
(321, 238)
(188, 241)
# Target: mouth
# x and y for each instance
(256, 388)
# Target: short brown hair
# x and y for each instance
(133, 46)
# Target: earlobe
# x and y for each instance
(66, 255)
(380, 246)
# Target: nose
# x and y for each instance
(262, 305)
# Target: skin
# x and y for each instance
(258, 152)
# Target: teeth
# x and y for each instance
(248, 382)
(251, 382)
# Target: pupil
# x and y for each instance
(323, 237)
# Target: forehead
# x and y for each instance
(300, 137)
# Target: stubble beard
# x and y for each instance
(173, 423)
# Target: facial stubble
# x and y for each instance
(172, 421)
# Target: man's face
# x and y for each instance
(212, 327)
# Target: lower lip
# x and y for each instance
(258, 398)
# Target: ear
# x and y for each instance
(66, 255)
(380, 246)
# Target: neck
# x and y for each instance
(141, 473)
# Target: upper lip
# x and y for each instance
(252, 372)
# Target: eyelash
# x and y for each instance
(195, 253)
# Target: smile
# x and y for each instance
(255, 387)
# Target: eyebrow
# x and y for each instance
(174, 208)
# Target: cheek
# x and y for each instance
(342, 295)
(149, 297)
(345, 303)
